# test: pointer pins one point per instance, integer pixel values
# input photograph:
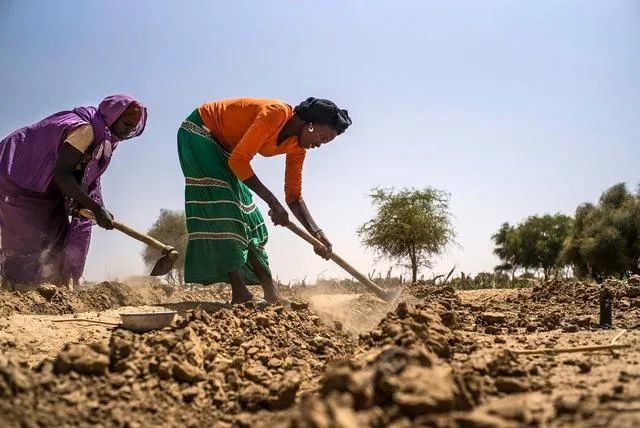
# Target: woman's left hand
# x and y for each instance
(323, 251)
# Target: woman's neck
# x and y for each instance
(292, 127)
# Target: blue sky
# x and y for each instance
(515, 108)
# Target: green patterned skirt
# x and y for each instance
(222, 221)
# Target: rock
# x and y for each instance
(481, 420)
(185, 372)
(584, 366)
(188, 394)
(319, 343)
(634, 280)
(282, 394)
(343, 416)
(422, 390)
(570, 328)
(341, 377)
(299, 306)
(257, 373)
(633, 291)
(275, 363)
(263, 321)
(566, 404)
(164, 370)
(625, 420)
(81, 359)
(402, 310)
(492, 318)
(510, 385)
(499, 339)
(449, 318)
(313, 413)
(47, 290)
(492, 329)
(253, 397)
(583, 321)
(510, 408)
(17, 378)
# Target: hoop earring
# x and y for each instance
(310, 127)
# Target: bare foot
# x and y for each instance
(271, 295)
(241, 297)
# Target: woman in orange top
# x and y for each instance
(216, 144)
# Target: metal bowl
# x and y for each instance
(141, 322)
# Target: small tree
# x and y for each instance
(410, 227)
(507, 248)
(606, 237)
(535, 244)
(170, 228)
(542, 238)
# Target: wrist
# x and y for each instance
(94, 207)
(273, 202)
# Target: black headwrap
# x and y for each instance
(320, 111)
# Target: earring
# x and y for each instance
(310, 127)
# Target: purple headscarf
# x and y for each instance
(28, 156)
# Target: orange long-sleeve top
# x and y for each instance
(246, 126)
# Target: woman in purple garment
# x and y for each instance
(47, 171)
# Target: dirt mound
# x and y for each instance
(51, 300)
(432, 293)
(206, 367)
(399, 386)
(402, 376)
(439, 358)
(558, 291)
(410, 326)
(578, 303)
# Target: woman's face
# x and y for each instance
(127, 123)
(321, 134)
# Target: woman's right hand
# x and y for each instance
(278, 214)
(104, 218)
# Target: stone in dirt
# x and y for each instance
(47, 291)
(81, 359)
(14, 378)
(510, 385)
(633, 291)
(482, 420)
(492, 318)
(421, 390)
(185, 372)
(567, 404)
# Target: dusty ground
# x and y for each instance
(436, 357)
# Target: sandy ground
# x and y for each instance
(38, 337)
(436, 357)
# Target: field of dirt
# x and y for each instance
(436, 357)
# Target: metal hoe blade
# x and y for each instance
(390, 295)
(165, 263)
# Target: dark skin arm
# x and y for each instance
(280, 217)
(277, 212)
(68, 159)
(300, 210)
